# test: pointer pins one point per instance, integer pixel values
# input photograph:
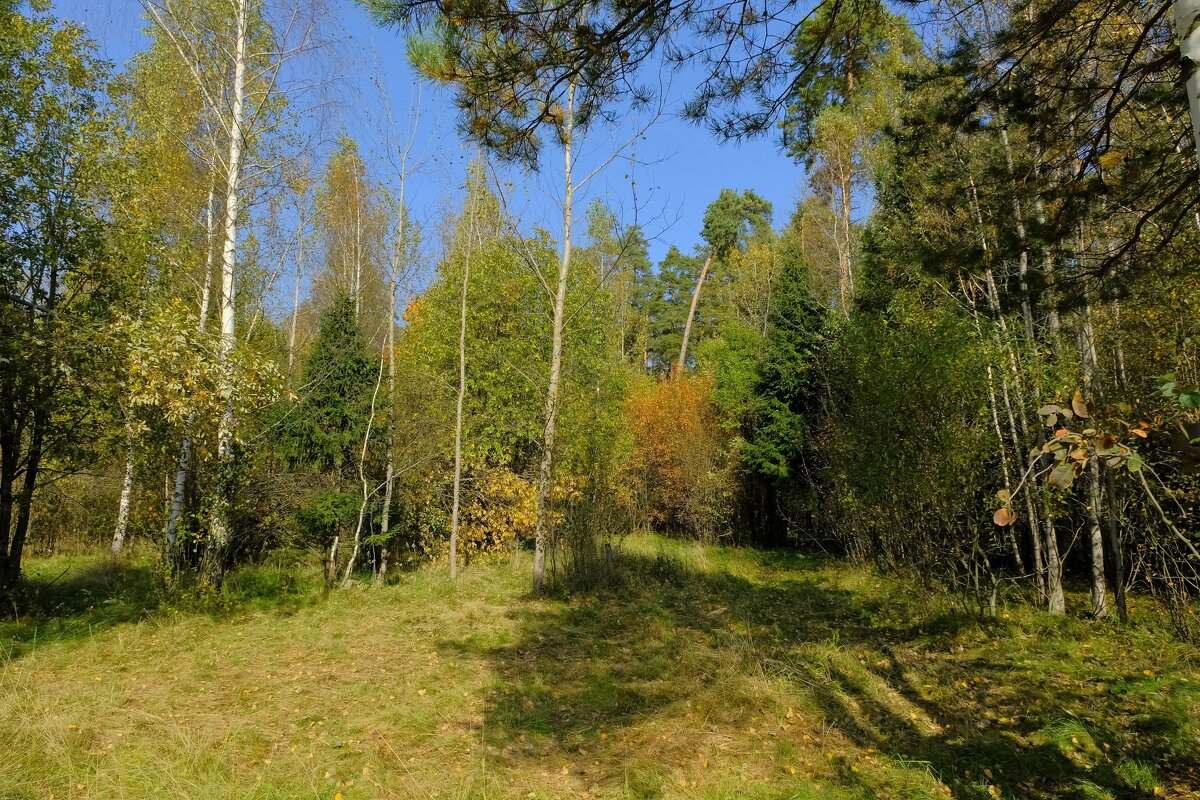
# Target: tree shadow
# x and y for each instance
(75, 598)
(654, 650)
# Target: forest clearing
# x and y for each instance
(708, 673)
(600, 399)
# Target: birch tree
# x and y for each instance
(236, 59)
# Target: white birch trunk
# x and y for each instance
(122, 526)
(541, 525)
(219, 525)
(1055, 600)
(362, 477)
(296, 297)
(358, 257)
(390, 354)
(1187, 26)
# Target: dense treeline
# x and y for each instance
(970, 350)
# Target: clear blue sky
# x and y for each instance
(685, 166)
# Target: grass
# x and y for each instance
(711, 673)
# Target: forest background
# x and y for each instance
(967, 351)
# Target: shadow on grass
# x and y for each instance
(670, 643)
(76, 597)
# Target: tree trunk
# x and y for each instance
(390, 353)
(118, 541)
(1087, 361)
(1112, 532)
(25, 499)
(296, 298)
(9, 442)
(1055, 601)
(687, 327)
(545, 471)
(185, 450)
(1005, 469)
(219, 525)
(366, 487)
(1187, 26)
(358, 248)
(462, 392)
(845, 274)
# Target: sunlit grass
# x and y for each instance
(707, 673)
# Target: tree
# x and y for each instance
(851, 54)
(728, 221)
(352, 227)
(58, 272)
(236, 59)
(325, 428)
(787, 383)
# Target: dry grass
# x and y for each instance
(713, 673)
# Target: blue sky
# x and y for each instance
(684, 167)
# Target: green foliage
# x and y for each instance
(904, 437)
(329, 513)
(324, 428)
(662, 300)
(848, 56)
(733, 218)
(59, 268)
(788, 383)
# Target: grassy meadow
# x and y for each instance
(708, 673)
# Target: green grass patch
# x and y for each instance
(706, 673)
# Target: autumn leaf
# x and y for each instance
(1004, 516)
(1079, 407)
(1062, 476)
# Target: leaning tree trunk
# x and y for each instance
(691, 317)
(545, 470)
(219, 525)
(296, 298)
(360, 526)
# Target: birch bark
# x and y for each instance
(541, 525)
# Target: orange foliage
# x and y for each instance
(677, 447)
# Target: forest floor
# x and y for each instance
(709, 673)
